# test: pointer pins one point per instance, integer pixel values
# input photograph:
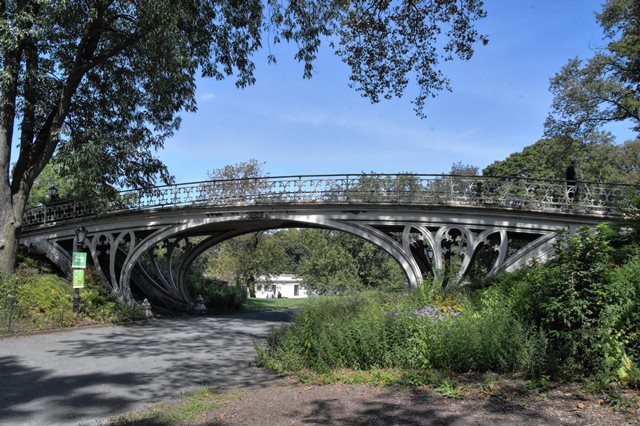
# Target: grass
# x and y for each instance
(193, 406)
(254, 304)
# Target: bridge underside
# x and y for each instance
(447, 245)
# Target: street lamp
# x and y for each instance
(53, 193)
(78, 246)
(81, 234)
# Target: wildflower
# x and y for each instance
(437, 313)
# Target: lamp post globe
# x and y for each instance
(81, 235)
(52, 193)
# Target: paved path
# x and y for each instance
(81, 376)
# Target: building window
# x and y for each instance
(296, 290)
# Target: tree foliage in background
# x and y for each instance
(598, 159)
(461, 169)
(238, 180)
(328, 268)
(241, 260)
(329, 262)
(605, 88)
(99, 84)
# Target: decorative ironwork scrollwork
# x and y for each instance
(407, 189)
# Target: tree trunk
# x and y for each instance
(10, 223)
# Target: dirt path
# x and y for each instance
(509, 403)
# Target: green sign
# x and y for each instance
(78, 278)
(79, 260)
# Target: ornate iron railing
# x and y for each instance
(400, 189)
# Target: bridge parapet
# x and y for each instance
(592, 199)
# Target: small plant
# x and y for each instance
(449, 389)
(621, 402)
(489, 388)
(541, 384)
(192, 407)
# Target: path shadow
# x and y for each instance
(20, 384)
(139, 362)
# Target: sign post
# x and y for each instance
(78, 265)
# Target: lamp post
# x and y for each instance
(53, 193)
(78, 263)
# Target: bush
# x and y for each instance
(35, 301)
(326, 335)
(218, 295)
(97, 301)
(573, 301)
(448, 334)
(626, 311)
(32, 300)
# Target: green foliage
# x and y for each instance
(240, 179)
(129, 80)
(219, 296)
(371, 185)
(573, 302)
(98, 303)
(603, 89)
(626, 310)
(35, 299)
(475, 339)
(190, 407)
(331, 335)
(598, 159)
(45, 299)
(449, 389)
(366, 333)
(576, 316)
(50, 176)
(330, 262)
(461, 169)
(328, 268)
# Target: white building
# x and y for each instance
(289, 286)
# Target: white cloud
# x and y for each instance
(207, 96)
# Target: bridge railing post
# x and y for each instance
(347, 195)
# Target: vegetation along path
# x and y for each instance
(94, 375)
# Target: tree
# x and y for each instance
(375, 267)
(376, 186)
(461, 169)
(240, 180)
(328, 267)
(599, 159)
(606, 87)
(242, 259)
(100, 83)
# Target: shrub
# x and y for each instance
(219, 296)
(626, 311)
(41, 301)
(369, 333)
(574, 301)
(97, 301)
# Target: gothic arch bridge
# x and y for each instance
(435, 226)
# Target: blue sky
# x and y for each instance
(498, 105)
